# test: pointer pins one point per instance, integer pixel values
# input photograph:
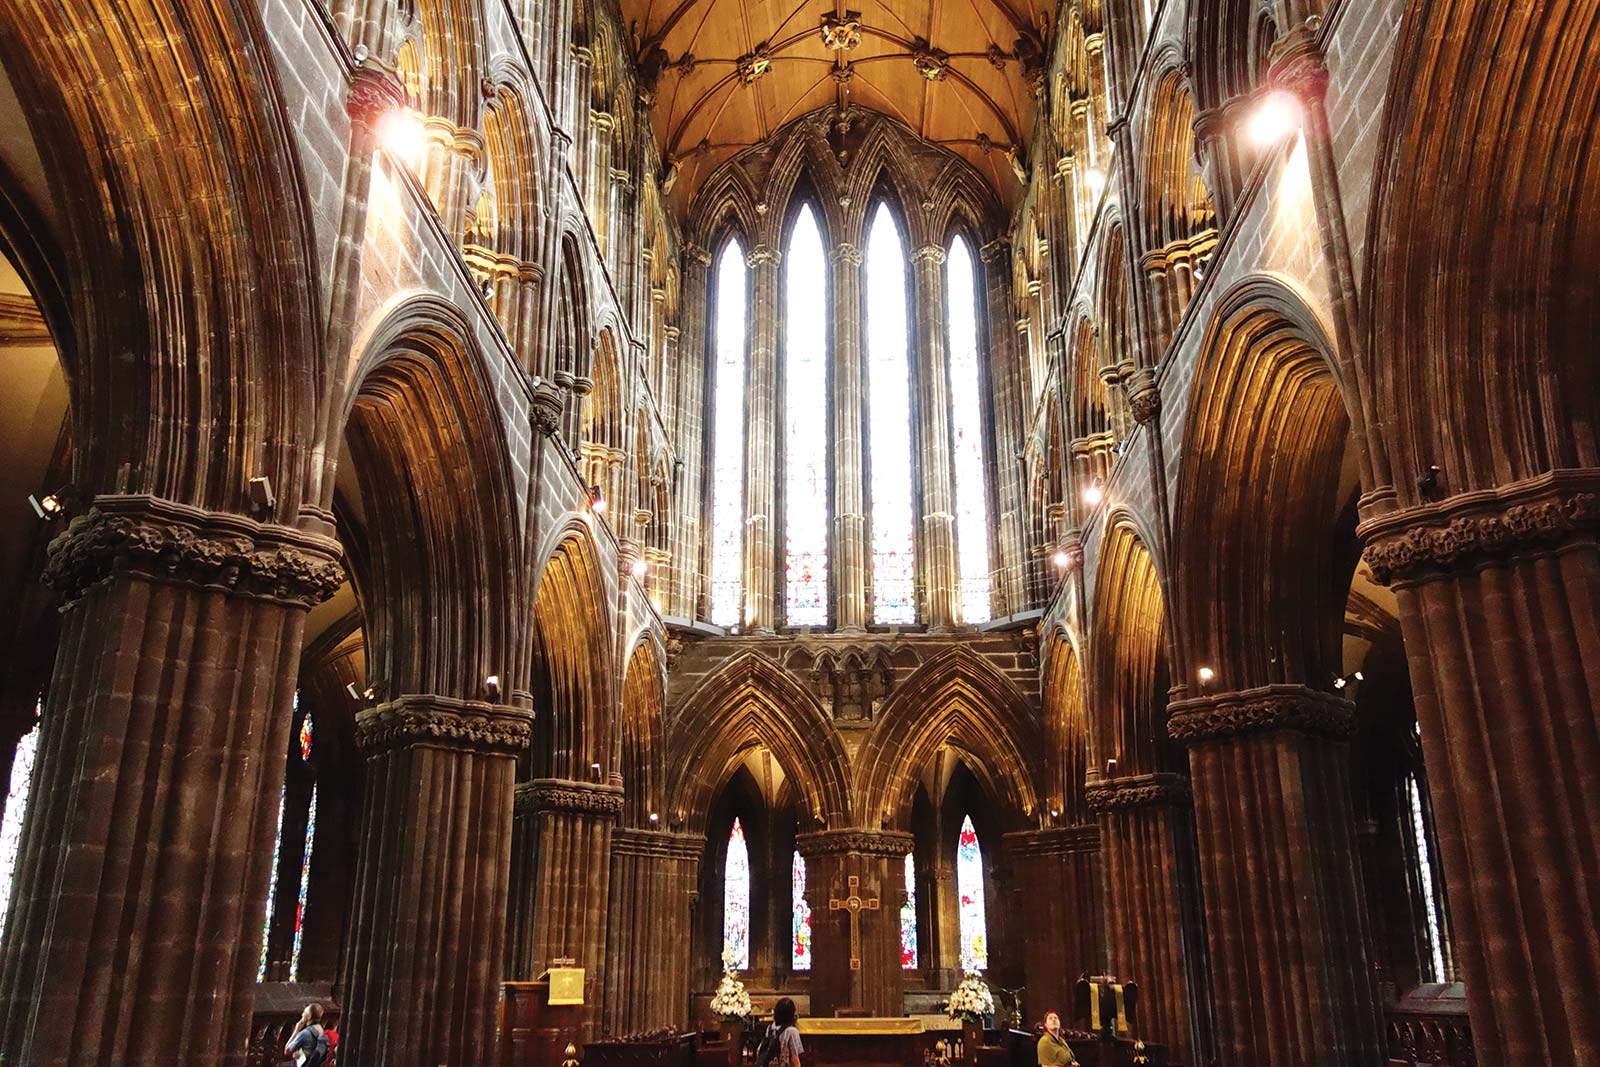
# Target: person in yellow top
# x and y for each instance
(1053, 1048)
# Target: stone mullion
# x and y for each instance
(145, 854)
(1501, 699)
(451, 173)
(653, 882)
(579, 115)
(877, 859)
(1011, 518)
(1285, 919)
(763, 422)
(1058, 871)
(937, 565)
(562, 869)
(597, 181)
(850, 542)
(1146, 352)
(1144, 843)
(1094, 50)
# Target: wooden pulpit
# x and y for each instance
(534, 1032)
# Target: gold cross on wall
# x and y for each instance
(854, 904)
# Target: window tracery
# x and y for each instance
(969, 884)
(966, 423)
(728, 437)
(805, 374)
(736, 902)
(889, 397)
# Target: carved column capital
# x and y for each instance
(934, 254)
(847, 253)
(1269, 709)
(560, 794)
(548, 402)
(1298, 65)
(1144, 397)
(373, 93)
(1138, 791)
(763, 254)
(1055, 841)
(170, 542)
(1479, 528)
(658, 844)
(444, 722)
(885, 844)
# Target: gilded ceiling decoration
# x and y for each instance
(722, 75)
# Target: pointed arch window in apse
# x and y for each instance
(966, 423)
(805, 371)
(1434, 965)
(969, 884)
(801, 913)
(727, 460)
(16, 808)
(889, 396)
(736, 902)
(908, 918)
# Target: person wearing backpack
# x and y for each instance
(780, 1046)
(308, 1043)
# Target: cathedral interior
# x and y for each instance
(848, 499)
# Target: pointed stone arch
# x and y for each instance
(1129, 671)
(750, 702)
(572, 663)
(959, 699)
(1066, 727)
(643, 757)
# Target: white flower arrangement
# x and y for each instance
(731, 1003)
(972, 1000)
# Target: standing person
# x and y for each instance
(780, 1047)
(1053, 1048)
(308, 1042)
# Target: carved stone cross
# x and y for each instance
(854, 905)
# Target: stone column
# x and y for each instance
(850, 548)
(451, 173)
(686, 412)
(1008, 420)
(597, 181)
(561, 871)
(936, 548)
(1287, 927)
(1058, 876)
(1146, 844)
(1497, 592)
(764, 422)
(653, 883)
(143, 866)
(860, 972)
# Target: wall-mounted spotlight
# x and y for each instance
(360, 696)
(1276, 117)
(1061, 559)
(46, 507)
(640, 567)
(261, 496)
(1344, 680)
(1095, 180)
(491, 686)
(654, 819)
(1095, 492)
(1206, 674)
(597, 500)
(402, 136)
(1111, 768)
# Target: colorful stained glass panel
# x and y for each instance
(889, 400)
(16, 810)
(805, 370)
(736, 902)
(305, 885)
(969, 883)
(908, 917)
(801, 914)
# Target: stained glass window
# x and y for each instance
(969, 883)
(305, 737)
(805, 370)
(908, 918)
(1425, 876)
(966, 423)
(305, 884)
(889, 397)
(272, 890)
(728, 437)
(736, 902)
(16, 809)
(802, 914)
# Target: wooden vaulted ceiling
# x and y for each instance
(725, 74)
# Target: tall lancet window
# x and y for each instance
(969, 883)
(801, 913)
(728, 438)
(16, 808)
(805, 376)
(736, 902)
(966, 423)
(908, 918)
(889, 397)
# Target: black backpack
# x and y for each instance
(317, 1056)
(771, 1041)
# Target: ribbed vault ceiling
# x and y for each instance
(725, 74)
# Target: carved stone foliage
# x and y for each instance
(171, 542)
(887, 844)
(1477, 528)
(1271, 709)
(1138, 791)
(444, 722)
(582, 798)
(841, 33)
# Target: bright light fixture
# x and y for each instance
(1274, 118)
